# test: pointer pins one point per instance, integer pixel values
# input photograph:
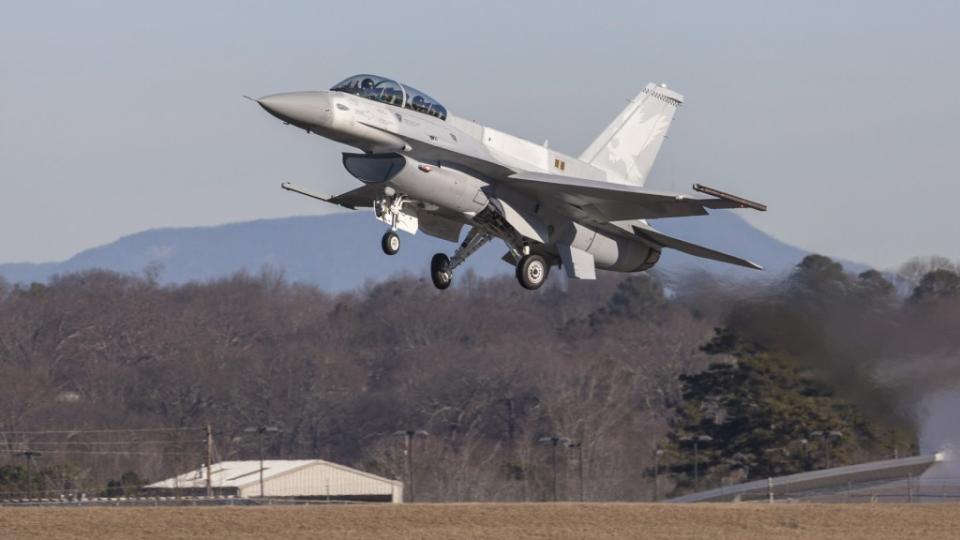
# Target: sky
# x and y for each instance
(844, 118)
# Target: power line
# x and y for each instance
(108, 452)
(104, 443)
(70, 431)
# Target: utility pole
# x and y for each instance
(554, 440)
(580, 462)
(260, 430)
(210, 460)
(260, 452)
(827, 436)
(696, 465)
(579, 447)
(554, 471)
(408, 436)
(656, 474)
(805, 444)
(29, 455)
(696, 440)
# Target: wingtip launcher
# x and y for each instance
(743, 203)
(296, 189)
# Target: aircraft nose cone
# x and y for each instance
(304, 109)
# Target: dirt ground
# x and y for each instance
(501, 521)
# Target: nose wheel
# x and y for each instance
(390, 243)
(532, 271)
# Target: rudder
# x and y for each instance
(628, 147)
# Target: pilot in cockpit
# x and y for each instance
(418, 104)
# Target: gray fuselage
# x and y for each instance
(454, 169)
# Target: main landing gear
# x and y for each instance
(440, 272)
(441, 267)
(532, 268)
(532, 271)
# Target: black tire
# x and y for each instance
(532, 271)
(390, 243)
(441, 277)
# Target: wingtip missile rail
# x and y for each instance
(744, 203)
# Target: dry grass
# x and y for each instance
(501, 521)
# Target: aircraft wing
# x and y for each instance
(362, 197)
(604, 202)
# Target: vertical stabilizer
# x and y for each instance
(628, 147)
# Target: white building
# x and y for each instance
(300, 478)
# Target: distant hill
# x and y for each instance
(338, 252)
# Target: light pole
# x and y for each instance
(260, 430)
(696, 440)
(805, 444)
(579, 447)
(554, 440)
(773, 468)
(827, 436)
(656, 473)
(408, 435)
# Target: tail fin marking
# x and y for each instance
(628, 147)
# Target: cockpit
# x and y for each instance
(392, 93)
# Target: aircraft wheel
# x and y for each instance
(439, 273)
(532, 271)
(390, 243)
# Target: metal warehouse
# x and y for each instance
(304, 479)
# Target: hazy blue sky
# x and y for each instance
(121, 116)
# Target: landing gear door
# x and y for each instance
(439, 227)
(527, 225)
(406, 219)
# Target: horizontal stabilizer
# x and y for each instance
(658, 238)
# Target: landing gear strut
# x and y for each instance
(441, 267)
(532, 271)
(388, 209)
(390, 243)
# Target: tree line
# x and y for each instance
(621, 366)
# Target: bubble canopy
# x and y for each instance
(391, 92)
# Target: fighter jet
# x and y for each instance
(425, 169)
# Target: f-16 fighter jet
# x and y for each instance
(425, 169)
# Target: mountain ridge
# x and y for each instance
(341, 251)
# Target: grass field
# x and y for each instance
(501, 521)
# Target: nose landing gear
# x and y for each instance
(390, 211)
(390, 243)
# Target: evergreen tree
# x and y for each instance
(759, 414)
(937, 284)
